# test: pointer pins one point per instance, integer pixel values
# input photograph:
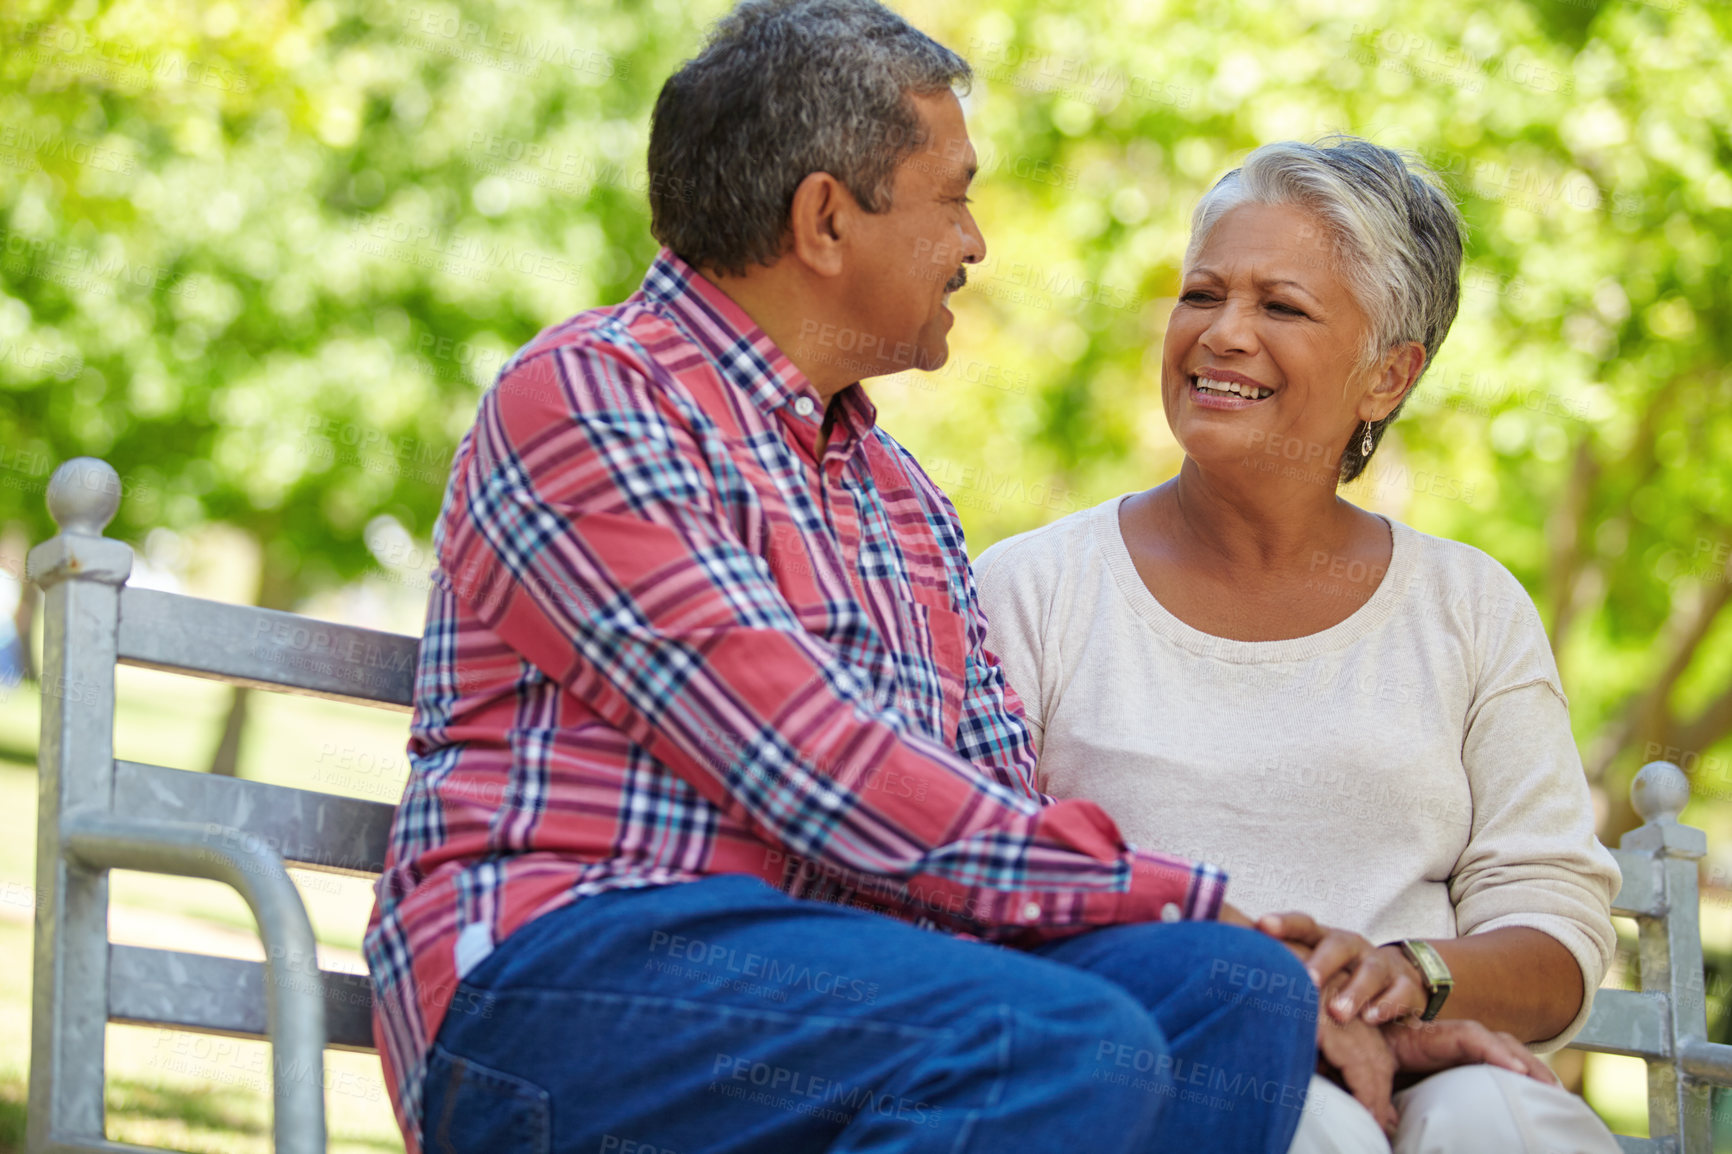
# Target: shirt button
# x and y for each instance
(1171, 912)
(1031, 912)
(804, 406)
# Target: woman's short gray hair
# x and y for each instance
(1389, 229)
(783, 89)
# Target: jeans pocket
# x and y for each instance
(475, 1109)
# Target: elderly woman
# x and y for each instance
(1350, 716)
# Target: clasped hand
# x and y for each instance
(1368, 1030)
(1380, 985)
(1365, 1059)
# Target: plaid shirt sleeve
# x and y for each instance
(993, 733)
(595, 543)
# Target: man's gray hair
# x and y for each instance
(783, 89)
(1389, 229)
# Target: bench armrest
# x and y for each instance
(295, 1004)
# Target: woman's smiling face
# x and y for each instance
(1262, 354)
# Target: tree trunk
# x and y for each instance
(276, 591)
(1645, 727)
(226, 760)
(1566, 545)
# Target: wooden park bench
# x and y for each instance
(98, 814)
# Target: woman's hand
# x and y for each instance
(1427, 1047)
(1384, 986)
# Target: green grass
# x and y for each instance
(12, 1092)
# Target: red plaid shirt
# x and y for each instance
(666, 640)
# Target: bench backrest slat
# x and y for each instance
(244, 645)
(226, 995)
(1625, 1022)
(306, 828)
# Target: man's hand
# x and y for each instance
(1362, 1060)
(1427, 1047)
(1384, 985)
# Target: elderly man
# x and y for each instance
(721, 816)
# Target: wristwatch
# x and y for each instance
(1433, 971)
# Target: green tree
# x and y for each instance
(262, 259)
(1575, 425)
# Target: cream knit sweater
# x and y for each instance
(1408, 772)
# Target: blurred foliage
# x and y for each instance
(263, 256)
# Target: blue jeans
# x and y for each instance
(722, 1015)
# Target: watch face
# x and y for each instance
(1433, 971)
(1431, 964)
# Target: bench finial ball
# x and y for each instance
(1660, 791)
(83, 496)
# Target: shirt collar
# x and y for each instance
(744, 354)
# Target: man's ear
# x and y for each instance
(1395, 376)
(819, 220)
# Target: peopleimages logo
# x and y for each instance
(720, 959)
(805, 1092)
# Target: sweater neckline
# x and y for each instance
(1110, 540)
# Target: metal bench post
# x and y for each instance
(80, 574)
(81, 836)
(1680, 1080)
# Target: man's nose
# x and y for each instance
(973, 240)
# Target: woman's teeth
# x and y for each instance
(1229, 389)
